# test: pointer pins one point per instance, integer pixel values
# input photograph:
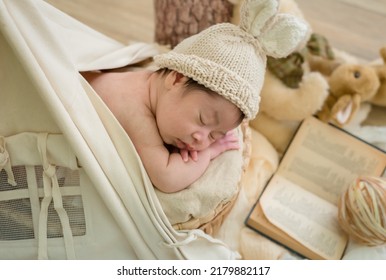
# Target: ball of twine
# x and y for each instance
(362, 210)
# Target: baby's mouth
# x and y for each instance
(182, 145)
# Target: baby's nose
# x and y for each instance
(201, 139)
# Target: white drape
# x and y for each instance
(42, 51)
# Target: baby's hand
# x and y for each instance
(229, 142)
(186, 153)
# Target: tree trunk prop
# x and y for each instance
(178, 19)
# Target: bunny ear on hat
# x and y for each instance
(254, 14)
(284, 34)
(278, 34)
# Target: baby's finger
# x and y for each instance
(184, 155)
(234, 146)
(232, 132)
(194, 155)
(231, 135)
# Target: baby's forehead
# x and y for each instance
(196, 89)
(222, 109)
(209, 98)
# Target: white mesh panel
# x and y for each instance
(16, 219)
(74, 208)
(15, 214)
(20, 177)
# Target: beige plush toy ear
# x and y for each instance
(345, 108)
(278, 34)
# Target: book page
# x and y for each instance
(325, 160)
(304, 216)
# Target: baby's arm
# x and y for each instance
(228, 142)
(169, 172)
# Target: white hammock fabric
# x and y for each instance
(51, 119)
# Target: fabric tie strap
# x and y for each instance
(52, 192)
(5, 162)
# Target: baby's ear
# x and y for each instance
(174, 78)
(179, 78)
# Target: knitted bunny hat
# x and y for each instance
(230, 59)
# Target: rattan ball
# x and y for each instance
(362, 210)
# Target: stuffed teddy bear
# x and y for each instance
(351, 84)
(283, 108)
(291, 93)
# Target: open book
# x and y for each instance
(298, 207)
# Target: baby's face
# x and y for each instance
(193, 120)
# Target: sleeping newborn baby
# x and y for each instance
(177, 126)
(183, 115)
